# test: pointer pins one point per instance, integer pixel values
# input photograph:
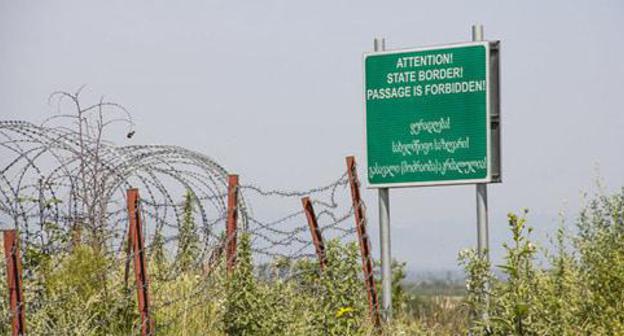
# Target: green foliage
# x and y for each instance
(188, 244)
(400, 298)
(515, 309)
(581, 292)
(197, 309)
(83, 290)
(158, 258)
(331, 302)
(343, 300)
(80, 295)
(600, 246)
(4, 299)
(478, 278)
(242, 308)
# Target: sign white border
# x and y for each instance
(488, 125)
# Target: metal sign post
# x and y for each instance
(481, 188)
(384, 234)
(386, 259)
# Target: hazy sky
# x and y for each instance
(273, 91)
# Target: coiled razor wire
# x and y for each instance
(64, 178)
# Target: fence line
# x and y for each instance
(232, 221)
(365, 246)
(14, 282)
(69, 192)
(139, 248)
(317, 237)
(140, 266)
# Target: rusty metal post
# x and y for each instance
(140, 266)
(232, 218)
(317, 238)
(14, 281)
(365, 246)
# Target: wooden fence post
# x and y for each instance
(140, 266)
(317, 238)
(14, 281)
(232, 218)
(360, 223)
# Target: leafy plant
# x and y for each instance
(188, 245)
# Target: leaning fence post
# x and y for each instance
(140, 266)
(317, 238)
(232, 217)
(14, 282)
(360, 223)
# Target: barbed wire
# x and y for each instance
(65, 188)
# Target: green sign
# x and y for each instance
(428, 116)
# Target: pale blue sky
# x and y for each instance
(272, 90)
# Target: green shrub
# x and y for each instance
(87, 291)
(581, 292)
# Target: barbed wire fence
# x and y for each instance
(65, 190)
